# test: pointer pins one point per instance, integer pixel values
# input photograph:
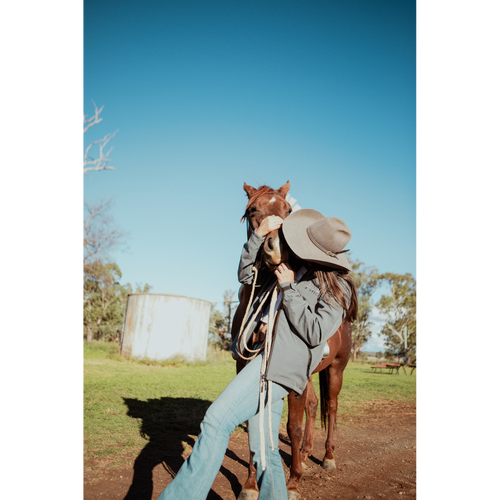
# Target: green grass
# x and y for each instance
(130, 404)
(362, 386)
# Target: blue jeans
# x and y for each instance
(238, 402)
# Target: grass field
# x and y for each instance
(128, 404)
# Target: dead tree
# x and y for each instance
(100, 162)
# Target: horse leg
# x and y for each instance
(250, 489)
(296, 406)
(311, 409)
(335, 379)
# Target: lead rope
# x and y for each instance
(243, 337)
(264, 384)
(241, 333)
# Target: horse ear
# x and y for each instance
(248, 189)
(283, 190)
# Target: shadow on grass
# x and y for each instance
(168, 424)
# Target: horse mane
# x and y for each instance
(262, 190)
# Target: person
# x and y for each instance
(304, 302)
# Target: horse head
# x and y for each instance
(263, 202)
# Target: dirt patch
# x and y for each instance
(375, 455)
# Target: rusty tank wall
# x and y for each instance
(161, 326)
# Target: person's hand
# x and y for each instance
(269, 224)
(284, 273)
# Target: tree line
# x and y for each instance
(104, 297)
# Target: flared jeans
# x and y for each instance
(239, 402)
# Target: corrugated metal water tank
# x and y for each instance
(160, 326)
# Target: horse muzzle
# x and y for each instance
(274, 251)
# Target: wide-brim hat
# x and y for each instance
(316, 238)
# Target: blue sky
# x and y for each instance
(208, 95)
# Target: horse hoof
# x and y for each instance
(293, 495)
(329, 464)
(248, 495)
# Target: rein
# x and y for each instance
(265, 385)
(244, 335)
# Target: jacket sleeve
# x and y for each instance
(313, 324)
(248, 257)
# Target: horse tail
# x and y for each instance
(324, 377)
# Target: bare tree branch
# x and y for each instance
(93, 120)
(100, 235)
(101, 162)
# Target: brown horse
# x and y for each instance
(263, 202)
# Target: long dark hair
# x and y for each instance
(333, 284)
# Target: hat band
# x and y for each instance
(324, 250)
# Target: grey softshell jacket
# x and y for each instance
(303, 325)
